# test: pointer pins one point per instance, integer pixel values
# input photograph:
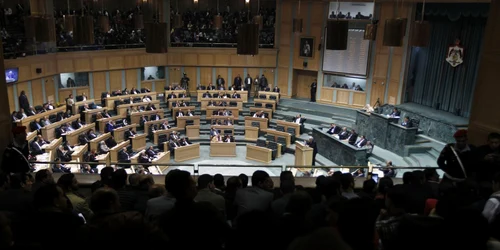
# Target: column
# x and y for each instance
(484, 112)
(5, 120)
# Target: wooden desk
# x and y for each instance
(157, 133)
(151, 123)
(26, 121)
(181, 121)
(161, 158)
(103, 159)
(222, 149)
(48, 132)
(269, 112)
(264, 102)
(234, 110)
(78, 152)
(176, 92)
(72, 137)
(113, 152)
(176, 109)
(76, 106)
(268, 94)
(139, 142)
(303, 154)
(123, 108)
(259, 154)
(262, 121)
(134, 158)
(193, 131)
(51, 148)
(30, 136)
(243, 94)
(221, 120)
(187, 152)
(277, 134)
(251, 133)
(290, 125)
(94, 143)
(119, 133)
(171, 100)
(136, 117)
(89, 113)
(222, 128)
(110, 101)
(102, 122)
(239, 102)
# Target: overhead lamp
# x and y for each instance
(421, 31)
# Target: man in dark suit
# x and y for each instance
(110, 142)
(237, 82)
(298, 119)
(353, 137)
(276, 89)
(123, 157)
(207, 95)
(406, 122)
(312, 144)
(144, 158)
(110, 127)
(344, 134)
(263, 82)
(172, 146)
(334, 129)
(165, 125)
(155, 117)
(314, 86)
(23, 101)
(151, 152)
(248, 84)
(235, 95)
(362, 142)
(171, 95)
(213, 132)
(220, 82)
(210, 86)
(174, 136)
(130, 134)
(184, 142)
(395, 113)
(83, 139)
(91, 134)
(36, 148)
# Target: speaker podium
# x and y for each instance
(303, 154)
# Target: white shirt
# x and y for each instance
(359, 143)
(190, 114)
(255, 115)
(181, 115)
(145, 99)
(297, 120)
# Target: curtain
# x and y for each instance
(434, 82)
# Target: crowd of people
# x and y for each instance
(198, 28)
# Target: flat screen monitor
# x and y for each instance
(11, 75)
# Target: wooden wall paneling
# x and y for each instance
(267, 61)
(254, 61)
(12, 98)
(222, 59)
(240, 71)
(50, 89)
(82, 64)
(132, 61)
(82, 90)
(222, 72)
(303, 83)
(159, 86)
(130, 78)
(115, 80)
(24, 73)
(359, 99)
(297, 62)
(116, 62)
(253, 73)
(65, 66)
(99, 63)
(36, 92)
(205, 76)
(237, 60)
(190, 59)
(191, 72)
(63, 94)
(326, 95)
(343, 97)
(294, 83)
(99, 83)
(174, 59)
(269, 73)
(148, 85)
(175, 75)
(283, 81)
(284, 56)
(206, 60)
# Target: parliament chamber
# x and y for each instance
(354, 96)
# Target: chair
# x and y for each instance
(274, 147)
(274, 151)
(215, 95)
(280, 128)
(281, 140)
(233, 104)
(258, 105)
(273, 97)
(270, 138)
(79, 98)
(228, 132)
(189, 122)
(53, 118)
(291, 131)
(262, 97)
(256, 124)
(269, 106)
(261, 143)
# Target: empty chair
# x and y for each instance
(274, 147)
(269, 106)
(291, 131)
(256, 124)
(261, 143)
(258, 105)
(280, 128)
(189, 122)
(228, 132)
(233, 104)
(262, 97)
(273, 97)
(270, 137)
(281, 140)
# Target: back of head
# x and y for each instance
(430, 173)
(346, 181)
(219, 180)
(330, 187)
(204, 180)
(397, 196)
(119, 178)
(179, 182)
(369, 186)
(421, 232)
(104, 200)
(17, 181)
(233, 183)
(355, 223)
(107, 175)
(42, 175)
(134, 179)
(286, 175)
(407, 178)
(244, 180)
(287, 186)
(384, 184)
(45, 195)
(259, 177)
(418, 177)
(299, 204)
(66, 181)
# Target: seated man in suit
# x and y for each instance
(259, 114)
(174, 136)
(184, 142)
(111, 142)
(105, 114)
(235, 95)
(77, 124)
(35, 126)
(344, 134)
(182, 95)
(361, 142)
(214, 132)
(110, 127)
(407, 122)
(129, 134)
(395, 113)
(103, 148)
(353, 137)
(63, 154)
(298, 119)
(36, 145)
(334, 129)
(69, 128)
(164, 125)
(124, 157)
(151, 152)
(58, 167)
(207, 95)
(91, 134)
(228, 122)
(172, 146)
(180, 113)
(171, 95)
(210, 86)
(144, 158)
(169, 87)
(189, 113)
(227, 138)
(83, 139)
(155, 117)
(312, 144)
(276, 89)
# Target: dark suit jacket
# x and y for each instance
(407, 124)
(123, 157)
(313, 146)
(398, 113)
(163, 126)
(236, 96)
(211, 87)
(91, 136)
(352, 138)
(343, 135)
(83, 139)
(129, 134)
(150, 153)
(109, 128)
(362, 144)
(24, 103)
(110, 142)
(207, 95)
(277, 90)
(154, 117)
(334, 130)
(143, 159)
(35, 148)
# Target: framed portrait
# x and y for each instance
(306, 47)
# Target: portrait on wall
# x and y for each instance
(306, 47)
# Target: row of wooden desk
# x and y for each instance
(26, 121)
(110, 101)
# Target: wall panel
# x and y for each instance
(175, 75)
(82, 65)
(50, 89)
(99, 83)
(205, 76)
(82, 90)
(303, 83)
(205, 60)
(36, 92)
(63, 94)
(191, 72)
(283, 81)
(115, 80)
(269, 73)
(12, 98)
(130, 78)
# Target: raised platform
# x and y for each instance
(437, 124)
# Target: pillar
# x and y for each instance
(484, 112)
(5, 120)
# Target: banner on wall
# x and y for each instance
(455, 55)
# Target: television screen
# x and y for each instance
(11, 75)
